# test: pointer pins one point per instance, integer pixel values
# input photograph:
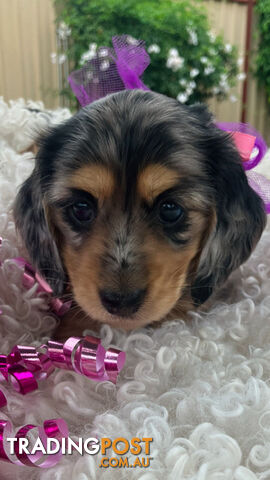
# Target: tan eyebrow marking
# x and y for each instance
(155, 179)
(95, 179)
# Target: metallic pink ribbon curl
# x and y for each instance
(30, 277)
(88, 357)
(25, 365)
(85, 355)
(53, 428)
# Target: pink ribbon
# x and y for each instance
(30, 277)
(244, 144)
(26, 364)
(248, 141)
(54, 428)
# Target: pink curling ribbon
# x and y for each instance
(26, 364)
(252, 149)
(246, 138)
(30, 277)
(88, 357)
(54, 428)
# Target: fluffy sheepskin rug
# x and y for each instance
(201, 389)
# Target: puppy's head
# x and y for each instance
(141, 203)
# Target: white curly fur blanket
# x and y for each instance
(201, 389)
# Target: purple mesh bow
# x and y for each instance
(120, 68)
(111, 70)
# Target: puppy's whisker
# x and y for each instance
(77, 313)
(67, 295)
(49, 269)
(52, 279)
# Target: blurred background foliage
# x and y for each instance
(188, 61)
(263, 54)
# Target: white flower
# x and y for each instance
(194, 72)
(233, 98)
(131, 40)
(182, 97)
(62, 58)
(63, 31)
(183, 82)
(212, 51)
(208, 70)
(212, 36)
(103, 52)
(86, 57)
(215, 90)
(241, 76)
(170, 62)
(223, 84)
(228, 48)
(224, 77)
(193, 37)
(90, 54)
(191, 85)
(53, 57)
(93, 47)
(153, 48)
(203, 59)
(104, 65)
(240, 61)
(173, 52)
(175, 63)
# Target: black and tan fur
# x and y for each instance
(125, 155)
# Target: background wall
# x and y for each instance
(27, 38)
(230, 19)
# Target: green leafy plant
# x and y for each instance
(263, 55)
(188, 62)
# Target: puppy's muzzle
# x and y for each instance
(122, 304)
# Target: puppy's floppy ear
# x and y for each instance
(240, 211)
(31, 221)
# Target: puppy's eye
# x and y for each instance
(170, 212)
(83, 212)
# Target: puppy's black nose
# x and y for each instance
(122, 304)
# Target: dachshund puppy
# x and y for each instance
(141, 205)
